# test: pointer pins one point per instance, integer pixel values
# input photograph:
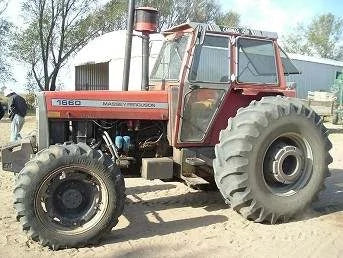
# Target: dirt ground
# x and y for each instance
(169, 219)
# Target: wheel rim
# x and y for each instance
(287, 164)
(71, 200)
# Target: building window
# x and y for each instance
(339, 75)
(92, 77)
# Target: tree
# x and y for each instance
(57, 29)
(174, 12)
(322, 37)
(5, 29)
(229, 19)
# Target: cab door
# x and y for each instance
(208, 82)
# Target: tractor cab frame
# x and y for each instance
(211, 71)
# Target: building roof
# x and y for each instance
(111, 46)
(313, 59)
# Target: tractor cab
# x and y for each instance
(203, 53)
(201, 65)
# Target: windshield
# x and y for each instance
(168, 64)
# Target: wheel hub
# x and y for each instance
(72, 198)
(287, 164)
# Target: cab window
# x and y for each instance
(211, 62)
(256, 61)
(168, 64)
(288, 66)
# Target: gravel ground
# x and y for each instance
(169, 219)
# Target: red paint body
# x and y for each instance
(233, 101)
(76, 112)
(238, 95)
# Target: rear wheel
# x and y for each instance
(69, 195)
(272, 159)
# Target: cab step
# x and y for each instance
(195, 162)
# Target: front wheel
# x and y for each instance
(272, 159)
(69, 195)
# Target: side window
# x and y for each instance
(288, 66)
(211, 62)
(168, 64)
(256, 61)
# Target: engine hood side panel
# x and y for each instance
(144, 105)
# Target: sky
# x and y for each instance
(280, 15)
(272, 15)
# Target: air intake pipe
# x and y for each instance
(146, 22)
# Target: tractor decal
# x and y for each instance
(106, 104)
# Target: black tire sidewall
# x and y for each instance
(290, 204)
(105, 221)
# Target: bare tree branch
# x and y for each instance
(38, 80)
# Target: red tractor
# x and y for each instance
(216, 108)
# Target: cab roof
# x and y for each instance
(238, 31)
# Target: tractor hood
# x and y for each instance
(143, 105)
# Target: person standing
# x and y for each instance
(17, 109)
(2, 111)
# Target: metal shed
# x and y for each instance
(317, 74)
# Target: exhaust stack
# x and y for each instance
(128, 48)
(146, 23)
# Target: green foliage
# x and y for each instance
(174, 12)
(55, 30)
(5, 30)
(113, 15)
(229, 19)
(321, 37)
(30, 101)
(337, 88)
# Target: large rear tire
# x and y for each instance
(272, 159)
(69, 195)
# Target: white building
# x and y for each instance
(99, 65)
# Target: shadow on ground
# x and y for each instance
(149, 188)
(331, 200)
(138, 211)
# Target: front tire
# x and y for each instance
(272, 159)
(69, 195)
